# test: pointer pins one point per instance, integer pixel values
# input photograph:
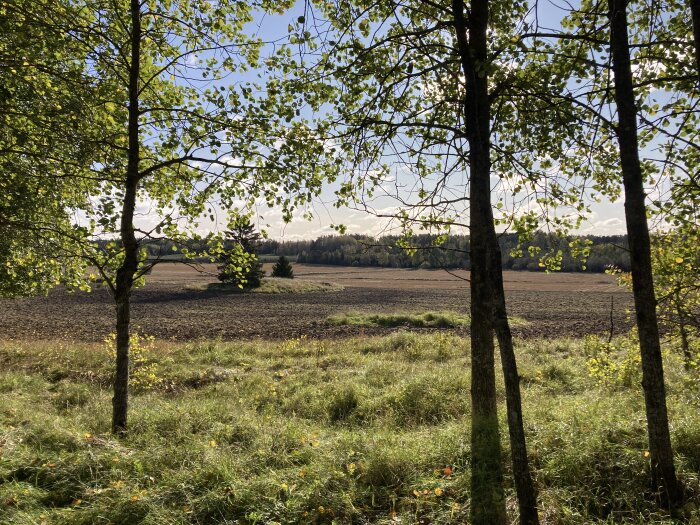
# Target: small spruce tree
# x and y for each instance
(283, 268)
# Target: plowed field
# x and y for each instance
(171, 307)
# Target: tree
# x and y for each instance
(175, 137)
(662, 467)
(622, 115)
(283, 268)
(415, 84)
(239, 264)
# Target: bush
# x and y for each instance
(283, 268)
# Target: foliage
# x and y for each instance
(283, 268)
(615, 363)
(676, 267)
(304, 441)
(143, 367)
(50, 131)
(239, 265)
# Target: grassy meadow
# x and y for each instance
(361, 430)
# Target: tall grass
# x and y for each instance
(363, 430)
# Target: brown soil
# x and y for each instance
(169, 306)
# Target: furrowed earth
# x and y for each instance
(327, 407)
(177, 304)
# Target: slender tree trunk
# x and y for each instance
(128, 268)
(487, 498)
(683, 329)
(662, 469)
(488, 307)
(524, 486)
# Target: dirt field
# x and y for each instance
(169, 308)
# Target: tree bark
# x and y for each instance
(488, 307)
(524, 485)
(487, 497)
(695, 15)
(682, 328)
(127, 270)
(663, 472)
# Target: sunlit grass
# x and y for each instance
(362, 430)
(273, 285)
(445, 319)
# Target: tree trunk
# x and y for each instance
(683, 329)
(127, 270)
(695, 14)
(524, 486)
(662, 469)
(487, 498)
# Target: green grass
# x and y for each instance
(302, 431)
(274, 285)
(408, 319)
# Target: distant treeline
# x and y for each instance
(363, 250)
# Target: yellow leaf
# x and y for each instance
(438, 492)
(679, 260)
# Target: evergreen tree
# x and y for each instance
(283, 268)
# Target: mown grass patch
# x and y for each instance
(445, 319)
(402, 319)
(280, 285)
(273, 285)
(363, 430)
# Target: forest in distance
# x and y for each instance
(609, 251)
